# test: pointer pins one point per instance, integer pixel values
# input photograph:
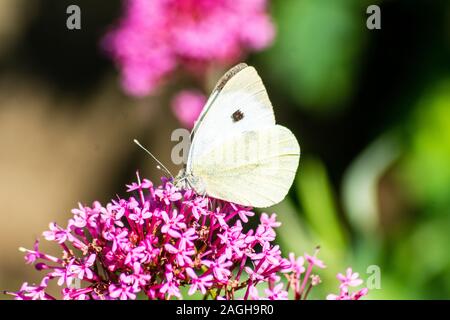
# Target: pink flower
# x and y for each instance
(187, 238)
(264, 234)
(112, 214)
(32, 255)
(120, 239)
(33, 292)
(137, 254)
(187, 105)
(350, 279)
(277, 293)
(199, 283)
(198, 206)
(219, 268)
(269, 254)
(172, 225)
(84, 269)
(146, 184)
(171, 285)
(168, 194)
(79, 219)
(297, 265)
(123, 291)
(314, 261)
(74, 294)
(255, 275)
(154, 244)
(139, 278)
(270, 221)
(140, 215)
(253, 293)
(233, 244)
(359, 294)
(243, 214)
(182, 256)
(152, 38)
(56, 233)
(64, 274)
(219, 217)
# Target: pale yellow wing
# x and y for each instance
(255, 168)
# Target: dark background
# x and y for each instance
(374, 131)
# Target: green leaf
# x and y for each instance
(316, 196)
(315, 51)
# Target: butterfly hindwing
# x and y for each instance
(255, 168)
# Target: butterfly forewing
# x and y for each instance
(242, 104)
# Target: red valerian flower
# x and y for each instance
(163, 239)
(350, 279)
(153, 38)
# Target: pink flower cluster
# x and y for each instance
(155, 37)
(350, 279)
(162, 239)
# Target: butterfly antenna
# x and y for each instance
(160, 165)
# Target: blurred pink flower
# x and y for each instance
(314, 261)
(187, 106)
(152, 38)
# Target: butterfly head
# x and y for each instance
(185, 180)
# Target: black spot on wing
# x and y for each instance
(238, 115)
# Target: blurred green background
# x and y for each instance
(371, 110)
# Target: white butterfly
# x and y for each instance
(238, 153)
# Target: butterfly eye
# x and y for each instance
(238, 115)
